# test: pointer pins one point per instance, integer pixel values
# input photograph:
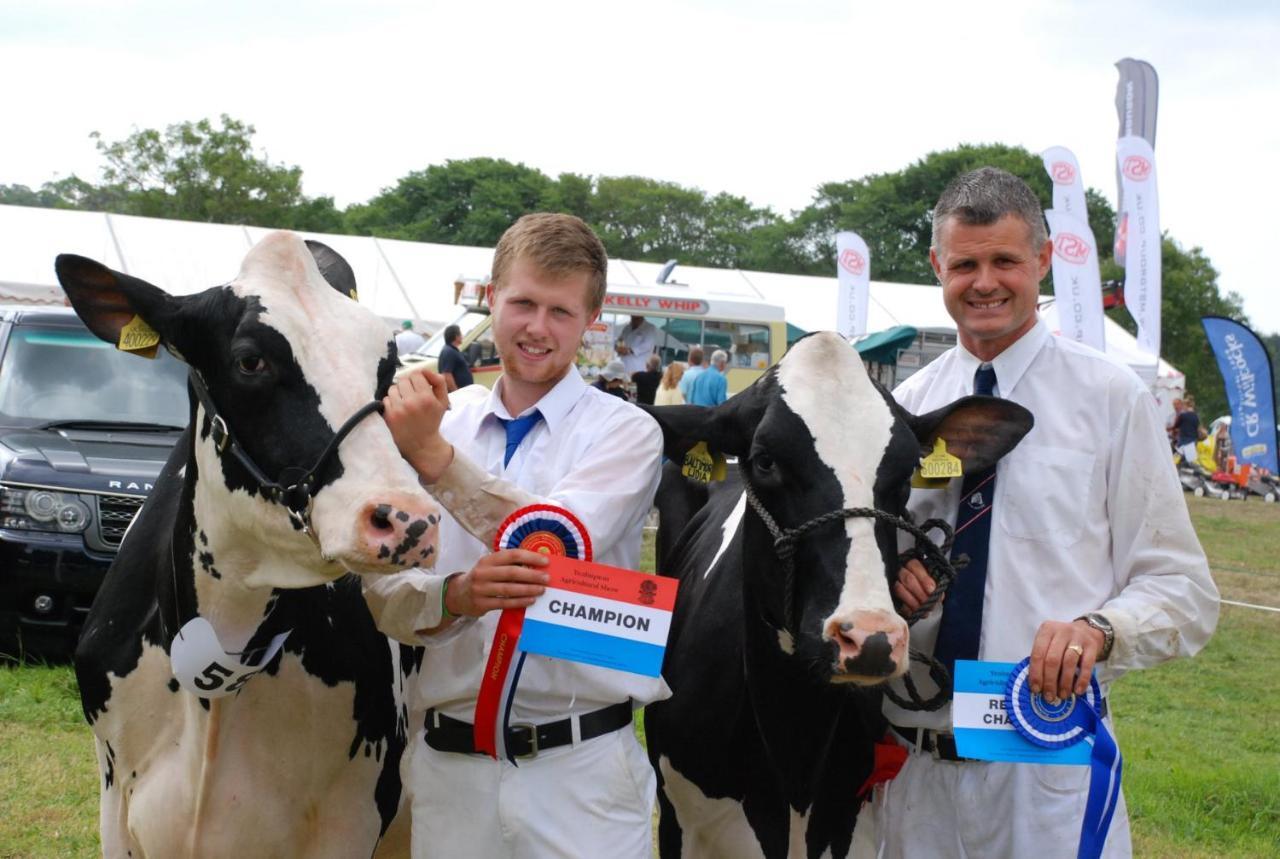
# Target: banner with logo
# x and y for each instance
(1137, 97)
(1077, 284)
(1137, 163)
(1068, 187)
(1247, 374)
(853, 270)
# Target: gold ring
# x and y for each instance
(1079, 651)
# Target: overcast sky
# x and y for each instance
(762, 99)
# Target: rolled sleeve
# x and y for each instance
(406, 606)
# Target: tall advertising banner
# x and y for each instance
(1246, 373)
(1068, 187)
(1137, 163)
(853, 270)
(1077, 283)
(1137, 97)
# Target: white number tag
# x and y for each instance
(204, 669)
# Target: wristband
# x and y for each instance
(444, 593)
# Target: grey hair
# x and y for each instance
(719, 357)
(981, 197)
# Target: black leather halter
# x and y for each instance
(296, 488)
(934, 556)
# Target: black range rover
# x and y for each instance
(84, 431)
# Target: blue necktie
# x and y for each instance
(961, 625)
(517, 429)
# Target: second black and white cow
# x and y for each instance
(769, 732)
(302, 760)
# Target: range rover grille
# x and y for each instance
(115, 512)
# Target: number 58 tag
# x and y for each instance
(204, 669)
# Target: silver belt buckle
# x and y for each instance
(533, 740)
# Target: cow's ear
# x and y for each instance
(107, 301)
(978, 430)
(685, 426)
(336, 271)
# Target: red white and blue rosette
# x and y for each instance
(1065, 723)
(542, 528)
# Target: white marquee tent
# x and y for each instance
(401, 280)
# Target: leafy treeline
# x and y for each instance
(206, 171)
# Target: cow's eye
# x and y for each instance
(762, 462)
(251, 365)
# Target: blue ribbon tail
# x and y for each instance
(506, 711)
(1104, 791)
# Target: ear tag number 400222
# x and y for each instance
(139, 338)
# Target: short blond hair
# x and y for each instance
(556, 245)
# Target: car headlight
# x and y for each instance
(42, 510)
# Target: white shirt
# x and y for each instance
(641, 340)
(593, 454)
(408, 341)
(1089, 513)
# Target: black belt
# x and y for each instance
(446, 734)
(938, 743)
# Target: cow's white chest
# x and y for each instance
(193, 782)
(708, 827)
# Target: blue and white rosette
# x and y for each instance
(541, 528)
(1056, 726)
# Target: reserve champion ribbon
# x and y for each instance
(541, 528)
(1055, 726)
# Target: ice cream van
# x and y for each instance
(752, 332)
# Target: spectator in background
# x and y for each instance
(613, 380)
(692, 371)
(453, 364)
(1186, 429)
(646, 381)
(636, 344)
(668, 393)
(710, 388)
(408, 340)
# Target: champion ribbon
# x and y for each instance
(541, 528)
(1055, 726)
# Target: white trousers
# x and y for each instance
(592, 800)
(983, 810)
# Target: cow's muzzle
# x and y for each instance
(871, 646)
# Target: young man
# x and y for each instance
(453, 364)
(1081, 549)
(593, 795)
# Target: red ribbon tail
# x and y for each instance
(489, 702)
(888, 762)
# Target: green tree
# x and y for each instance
(468, 202)
(195, 171)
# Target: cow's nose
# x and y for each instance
(871, 644)
(399, 531)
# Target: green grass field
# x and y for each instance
(1201, 737)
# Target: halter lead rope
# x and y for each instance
(296, 488)
(932, 555)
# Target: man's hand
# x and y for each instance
(413, 409)
(512, 578)
(1059, 649)
(913, 587)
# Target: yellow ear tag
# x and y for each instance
(139, 338)
(937, 468)
(702, 466)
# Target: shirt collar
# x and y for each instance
(1011, 364)
(555, 404)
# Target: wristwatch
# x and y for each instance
(1100, 623)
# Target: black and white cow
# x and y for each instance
(769, 732)
(303, 760)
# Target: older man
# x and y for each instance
(1082, 552)
(710, 387)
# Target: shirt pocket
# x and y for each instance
(1043, 493)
